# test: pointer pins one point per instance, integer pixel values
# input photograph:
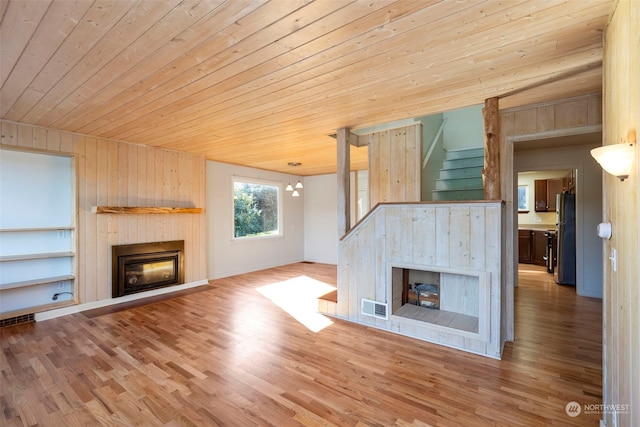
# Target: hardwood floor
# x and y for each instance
(228, 355)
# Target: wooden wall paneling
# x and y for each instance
(571, 114)
(424, 232)
(460, 237)
(354, 302)
(397, 165)
(460, 293)
(184, 174)
(403, 225)
(343, 287)
(103, 251)
(477, 231)
(53, 141)
(393, 225)
(141, 198)
(118, 173)
(526, 121)
(415, 180)
(496, 304)
(544, 120)
(621, 294)
(114, 223)
(385, 165)
(90, 234)
(366, 271)
(374, 169)
(594, 111)
(442, 236)
(25, 136)
(39, 139)
(379, 266)
(9, 133)
(67, 143)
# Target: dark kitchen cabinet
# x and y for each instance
(538, 247)
(545, 191)
(554, 187)
(532, 247)
(524, 247)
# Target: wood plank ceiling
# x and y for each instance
(263, 83)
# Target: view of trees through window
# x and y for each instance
(255, 209)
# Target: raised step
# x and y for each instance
(461, 173)
(464, 154)
(468, 162)
(470, 183)
(473, 194)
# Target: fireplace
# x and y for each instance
(145, 266)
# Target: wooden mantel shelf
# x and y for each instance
(143, 210)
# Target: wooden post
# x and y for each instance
(491, 171)
(344, 182)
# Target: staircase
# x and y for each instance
(461, 176)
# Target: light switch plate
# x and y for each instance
(614, 259)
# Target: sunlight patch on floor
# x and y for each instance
(299, 298)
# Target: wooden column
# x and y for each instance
(344, 183)
(491, 172)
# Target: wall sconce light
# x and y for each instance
(298, 186)
(616, 159)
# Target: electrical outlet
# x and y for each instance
(60, 286)
(61, 234)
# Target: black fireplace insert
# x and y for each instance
(145, 266)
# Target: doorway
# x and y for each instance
(545, 158)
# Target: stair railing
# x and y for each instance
(433, 144)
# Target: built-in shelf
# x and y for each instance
(27, 229)
(143, 210)
(25, 257)
(36, 282)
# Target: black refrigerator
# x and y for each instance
(565, 272)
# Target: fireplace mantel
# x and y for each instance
(143, 210)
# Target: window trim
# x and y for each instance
(256, 181)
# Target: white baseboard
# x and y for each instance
(52, 314)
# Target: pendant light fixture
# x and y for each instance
(298, 186)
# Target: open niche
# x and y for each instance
(441, 298)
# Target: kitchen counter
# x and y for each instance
(537, 227)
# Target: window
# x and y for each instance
(523, 196)
(256, 209)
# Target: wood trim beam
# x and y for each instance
(344, 184)
(491, 171)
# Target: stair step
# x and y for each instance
(477, 194)
(463, 163)
(461, 173)
(467, 183)
(464, 154)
